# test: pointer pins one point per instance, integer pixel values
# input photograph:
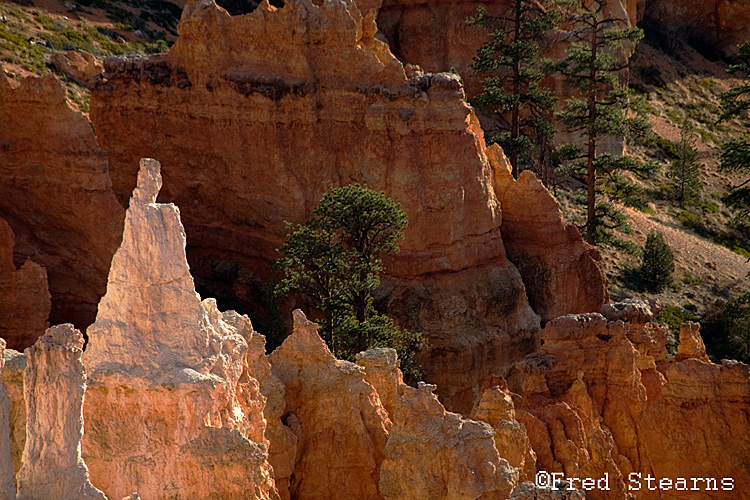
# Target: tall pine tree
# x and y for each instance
(591, 67)
(514, 68)
(735, 156)
(685, 171)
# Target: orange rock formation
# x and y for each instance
(605, 398)
(24, 296)
(56, 196)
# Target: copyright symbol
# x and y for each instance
(542, 479)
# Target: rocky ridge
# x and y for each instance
(597, 400)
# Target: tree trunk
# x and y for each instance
(591, 170)
(515, 118)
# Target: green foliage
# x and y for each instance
(657, 264)
(735, 156)
(684, 171)
(513, 67)
(727, 333)
(691, 279)
(591, 67)
(335, 260)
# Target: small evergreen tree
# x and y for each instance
(735, 156)
(335, 260)
(657, 265)
(512, 61)
(591, 67)
(685, 171)
(727, 333)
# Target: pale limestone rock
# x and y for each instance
(432, 454)
(282, 452)
(168, 412)
(80, 66)
(54, 387)
(7, 487)
(337, 417)
(313, 76)
(12, 380)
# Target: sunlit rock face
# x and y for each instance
(604, 398)
(54, 386)
(254, 117)
(166, 412)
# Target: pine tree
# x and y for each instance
(657, 265)
(335, 260)
(685, 171)
(512, 61)
(591, 67)
(735, 156)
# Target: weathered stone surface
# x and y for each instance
(54, 386)
(720, 24)
(24, 296)
(691, 344)
(282, 452)
(7, 486)
(12, 380)
(227, 111)
(496, 408)
(80, 66)
(433, 454)
(603, 398)
(562, 273)
(336, 416)
(56, 195)
(167, 411)
(382, 372)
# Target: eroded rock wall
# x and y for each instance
(54, 386)
(254, 118)
(24, 296)
(603, 398)
(167, 411)
(562, 273)
(55, 193)
(7, 487)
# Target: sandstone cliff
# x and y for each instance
(603, 397)
(229, 111)
(561, 272)
(56, 196)
(163, 412)
(24, 296)
(54, 385)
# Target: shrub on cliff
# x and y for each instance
(335, 260)
(657, 265)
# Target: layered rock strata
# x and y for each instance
(54, 386)
(562, 273)
(167, 411)
(229, 123)
(24, 296)
(604, 399)
(56, 196)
